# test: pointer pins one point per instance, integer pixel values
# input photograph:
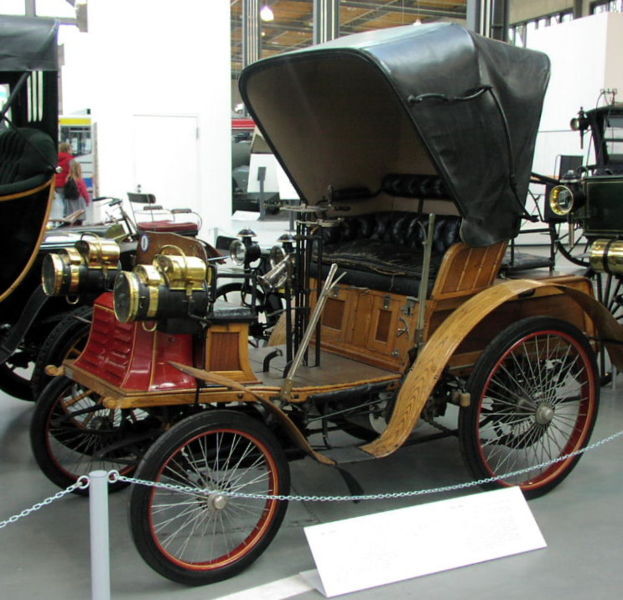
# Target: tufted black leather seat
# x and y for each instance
(384, 251)
(27, 159)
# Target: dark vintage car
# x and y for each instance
(411, 149)
(28, 132)
(586, 204)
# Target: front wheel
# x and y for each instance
(534, 397)
(197, 538)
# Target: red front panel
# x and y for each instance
(131, 358)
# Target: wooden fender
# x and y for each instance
(424, 374)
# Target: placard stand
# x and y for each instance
(372, 550)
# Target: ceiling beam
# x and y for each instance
(395, 6)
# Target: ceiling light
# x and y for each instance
(266, 13)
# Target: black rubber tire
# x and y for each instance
(66, 340)
(528, 409)
(66, 436)
(212, 438)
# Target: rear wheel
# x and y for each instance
(72, 434)
(534, 397)
(571, 242)
(200, 538)
(66, 340)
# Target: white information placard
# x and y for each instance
(364, 552)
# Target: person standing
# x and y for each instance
(75, 191)
(64, 158)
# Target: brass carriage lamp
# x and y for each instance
(91, 265)
(561, 200)
(173, 286)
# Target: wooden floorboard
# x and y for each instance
(333, 369)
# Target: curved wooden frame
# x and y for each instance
(427, 370)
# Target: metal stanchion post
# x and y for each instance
(98, 517)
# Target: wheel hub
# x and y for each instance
(544, 414)
(217, 501)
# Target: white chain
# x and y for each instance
(114, 476)
(82, 483)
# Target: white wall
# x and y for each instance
(158, 58)
(586, 56)
(77, 73)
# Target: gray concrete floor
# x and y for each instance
(46, 555)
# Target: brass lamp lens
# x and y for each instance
(52, 274)
(561, 200)
(126, 293)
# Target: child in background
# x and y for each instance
(80, 198)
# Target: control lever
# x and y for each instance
(329, 284)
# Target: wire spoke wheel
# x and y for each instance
(65, 341)
(534, 397)
(571, 242)
(72, 434)
(198, 538)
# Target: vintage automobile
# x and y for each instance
(412, 149)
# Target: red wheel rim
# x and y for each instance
(537, 404)
(257, 472)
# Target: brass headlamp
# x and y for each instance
(90, 266)
(561, 200)
(173, 286)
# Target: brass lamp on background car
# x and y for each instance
(91, 265)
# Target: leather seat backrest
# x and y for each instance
(400, 228)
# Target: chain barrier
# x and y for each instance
(82, 483)
(352, 498)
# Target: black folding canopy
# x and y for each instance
(415, 101)
(28, 67)
(28, 44)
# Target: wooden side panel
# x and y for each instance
(370, 326)
(227, 352)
